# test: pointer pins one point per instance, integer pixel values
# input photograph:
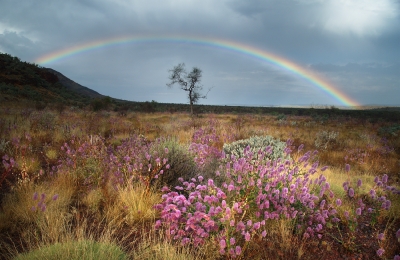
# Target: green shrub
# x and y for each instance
(257, 143)
(325, 139)
(181, 162)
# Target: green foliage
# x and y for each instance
(257, 143)
(29, 82)
(326, 139)
(101, 103)
(180, 161)
(393, 130)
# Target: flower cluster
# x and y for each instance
(41, 205)
(254, 192)
(133, 160)
(203, 145)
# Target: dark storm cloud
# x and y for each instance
(362, 36)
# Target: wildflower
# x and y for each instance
(232, 241)
(358, 211)
(222, 243)
(264, 233)
(359, 183)
(381, 236)
(238, 250)
(347, 167)
(247, 236)
(158, 224)
(346, 186)
(351, 192)
(55, 197)
(35, 196)
(324, 168)
(380, 251)
(384, 178)
(338, 202)
(398, 234)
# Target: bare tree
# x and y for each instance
(188, 82)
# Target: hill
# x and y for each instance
(24, 81)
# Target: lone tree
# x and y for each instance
(188, 82)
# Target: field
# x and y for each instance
(78, 184)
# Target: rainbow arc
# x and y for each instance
(237, 47)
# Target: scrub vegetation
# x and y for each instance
(316, 184)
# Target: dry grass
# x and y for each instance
(123, 217)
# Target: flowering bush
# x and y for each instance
(255, 191)
(275, 148)
(133, 160)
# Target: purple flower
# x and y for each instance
(346, 186)
(232, 241)
(222, 243)
(381, 236)
(396, 257)
(338, 202)
(359, 183)
(380, 251)
(358, 211)
(347, 167)
(264, 233)
(55, 197)
(238, 250)
(35, 196)
(324, 168)
(351, 192)
(247, 236)
(398, 233)
(384, 178)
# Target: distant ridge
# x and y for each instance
(24, 81)
(72, 85)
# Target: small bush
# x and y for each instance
(257, 144)
(181, 162)
(325, 139)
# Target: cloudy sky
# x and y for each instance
(352, 45)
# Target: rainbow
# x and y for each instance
(263, 55)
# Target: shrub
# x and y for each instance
(254, 193)
(181, 163)
(326, 140)
(271, 148)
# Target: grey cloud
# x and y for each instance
(293, 29)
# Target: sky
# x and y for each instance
(251, 52)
